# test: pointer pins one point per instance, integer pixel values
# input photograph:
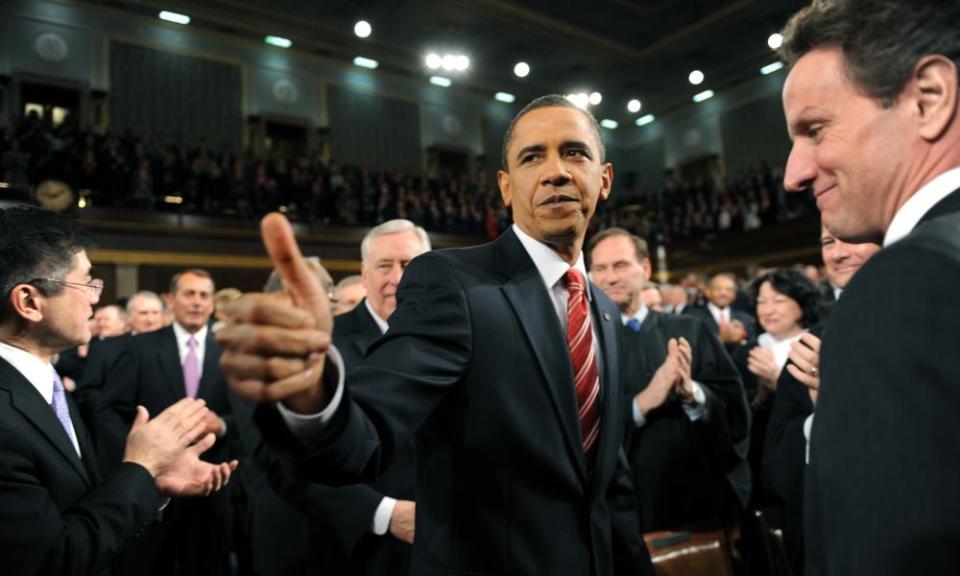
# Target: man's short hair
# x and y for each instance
(639, 244)
(121, 311)
(36, 244)
(728, 275)
(393, 227)
(143, 294)
(882, 40)
(175, 281)
(349, 281)
(275, 281)
(549, 101)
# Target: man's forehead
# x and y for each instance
(552, 123)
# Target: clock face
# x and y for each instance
(54, 195)
(51, 47)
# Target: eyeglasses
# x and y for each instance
(94, 289)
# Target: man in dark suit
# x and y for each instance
(872, 106)
(732, 326)
(688, 446)
(155, 370)
(500, 359)
(57, 514)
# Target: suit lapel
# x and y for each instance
(606, 321)
(83, 439)
(28, 401)
(368, 333)
(168, 357)
(211, 366)
(949, 205)
(525, 292)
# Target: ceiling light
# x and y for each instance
(362, 29)
(609, 124)
(366, 62)
(634, 106)
(505, 97)
(595, 98)
(771, 68)
(701, 96)
(644, 120)
(579, 99)
(462, 63)
(440, 81)
(278, 41)
(174, 17)
(449, 62)
(521, 69)
(775, 41)
(695, 77)
(434, 61)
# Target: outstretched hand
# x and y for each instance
(191, 476)
(274, 348)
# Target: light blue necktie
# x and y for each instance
(59, 405)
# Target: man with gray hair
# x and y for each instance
(348, 293)
(873, 110)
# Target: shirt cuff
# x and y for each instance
(807, 426)
(304, 425)
(638, 418)
(697, 410)
(381, 518)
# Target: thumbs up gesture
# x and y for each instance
(275, 348)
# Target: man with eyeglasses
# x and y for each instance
(57, 514)
(157, 370)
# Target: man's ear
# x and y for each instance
(606, 181)
(27, 302)
(933, 90)
(647, 269)
(503, 182)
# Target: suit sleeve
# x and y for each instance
(881, 487)
(116, 407)
(36, 537)
(785, 444)
(407, 373)
(630, 554)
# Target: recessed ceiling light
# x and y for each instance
(505, 97)
(775, 41)
(771, 68)
(174, 17)
(701, 96)
(609, 124)
(695, 77)
(644, 120)
(595, 98)
(634, 106)
(433, 61)
(521, 69)
(278, 41)
(440, 81)
(366, 62)
(362, 29)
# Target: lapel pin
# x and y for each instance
(606, 316)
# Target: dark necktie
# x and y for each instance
(586, 379)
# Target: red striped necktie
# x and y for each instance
(583, 355)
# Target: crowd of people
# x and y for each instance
(531, 405)
(144, 173)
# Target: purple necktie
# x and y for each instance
(191, 369)
(59, 405)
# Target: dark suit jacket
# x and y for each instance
(703, 313)
(193, 533)
(100, 358)
(346, 512)
(57, 515)
(70, 365)
(881, 487)
(784, 456)
(476, 365)
(686, 472)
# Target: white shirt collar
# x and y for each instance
(717, 311)
(913, 210)
(549, 264)
(36, 370)
(381, 323)
(640, 315)
(183, 336)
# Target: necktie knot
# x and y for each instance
(633, 324)
(574, 281)
(192, 342)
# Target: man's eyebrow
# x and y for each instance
(576, 145)
(528, 149)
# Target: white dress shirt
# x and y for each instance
(720, 315)
(40, 375)
(183, 338)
